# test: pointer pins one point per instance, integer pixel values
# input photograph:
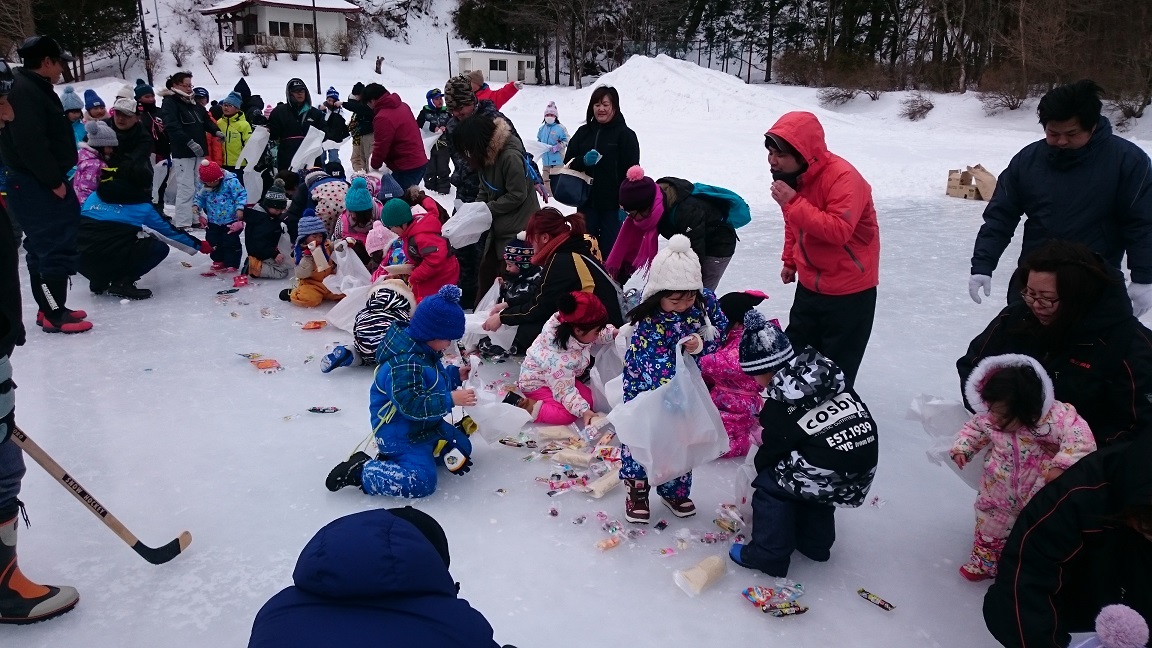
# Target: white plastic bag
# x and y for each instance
(254, 148)
(609, 365)
(430, 141)
(350, 271)
(942, 419)
(467, 224)
(674, 428)
(343, 314)
(474, 324)
(745, 475)
(311, 147)
(494, 418)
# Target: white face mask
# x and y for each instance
(550, 119)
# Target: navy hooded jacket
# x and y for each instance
(370, 579)
(1099, 195)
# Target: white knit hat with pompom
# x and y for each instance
(676, 267)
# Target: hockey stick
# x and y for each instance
(156, 556)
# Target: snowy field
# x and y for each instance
(156, 414)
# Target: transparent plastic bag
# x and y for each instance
(467, 224)
(350, 271)
(674, 428)
(474, 324)
(942, 419)
(494, 418)
(608, 366)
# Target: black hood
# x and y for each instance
(241, 88)
(1113, 307)
(288, 94)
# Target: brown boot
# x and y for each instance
(681, 508)
(636, 508)
(21, 600)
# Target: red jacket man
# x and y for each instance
(483, 91)
(397, 142)
(831, 241)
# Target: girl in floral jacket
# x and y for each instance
(735, 393)
(561, 353)
(1033, 437)
(674, 306)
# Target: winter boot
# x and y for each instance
(127, 289)
(286, 294)
(347, 473)
(980, 566)
(523, 402)
(341, 356)
(54, 291)
(681, 508)
(636, 507)
(69, 314)
(21, 600)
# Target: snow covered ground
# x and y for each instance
(154, 412)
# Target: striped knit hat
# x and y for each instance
(763, 347)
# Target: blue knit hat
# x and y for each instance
(309, 224)
(70, 100)
(763, 347)
(233, 99)
(438, 317)
(92, 100)
(358, 198)
(332, 94)
(142, 88)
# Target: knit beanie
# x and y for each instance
(233, 99)
(210, 171)
(638, 191)
(458, 92)
(582, 309)
(551, 110)
(378, 238)
(276, 197)
(313, 176)
(200, 93)
(736, 304)
(357, 89)
(332, 94)
(309, 224)
(124, 91)
(142, 89)
(518, 251)
(70, 100)
(476, 76)
(438, 317)
(92, 100)
(124, 106)
(676, 267)
(763, 347)
(100, 134)
(389, 188)
(334, 168)
(396, 213)
(371, 181)
(358, 198)
(428, 527)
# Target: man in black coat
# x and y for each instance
(188, 127)
(360, 127)
(1083, 542)
(290, 121)
(704, 222)
(39, 150)
(1081, 183)
(132, 157)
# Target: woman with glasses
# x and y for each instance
(1076, 319)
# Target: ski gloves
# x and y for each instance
(1141, 296)
(978, 281)
(196, 149)
(235, 227)
(592, 157)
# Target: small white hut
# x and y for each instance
(243, 25)
(500, 66)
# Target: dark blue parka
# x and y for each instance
(370, 579)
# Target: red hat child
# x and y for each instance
(210, 171)
(582, 310)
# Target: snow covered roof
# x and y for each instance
(229, 6)
(481, 50)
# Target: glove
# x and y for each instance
(457, 462)
(236, 227)
(1141, 296)
(205, 247)
(519, 85)
(203, 222)
(219, 135)
(196, 149)
(555, 148)
(978, 281)
(592, 157)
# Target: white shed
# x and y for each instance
(244, 24)
(501, 66)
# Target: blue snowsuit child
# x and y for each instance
(410, 396)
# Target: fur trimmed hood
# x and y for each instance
(502, 138)
(991, 365)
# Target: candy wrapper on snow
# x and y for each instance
(875, 600)
(313, 325)
(323, 410)
(227, 291)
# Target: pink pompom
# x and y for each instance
(1119, 626)
(635, 173)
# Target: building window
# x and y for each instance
(498, 65)
(302, 30)
(531, 64)
(277, 28)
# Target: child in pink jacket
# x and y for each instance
(549, 378)
(93, 154)
(1033, 437)
(735, 393)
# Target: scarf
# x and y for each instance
(640, 239)
(541, 257)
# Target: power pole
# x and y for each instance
(144, 39)
(316, 48)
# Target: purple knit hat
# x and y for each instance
(638, 191)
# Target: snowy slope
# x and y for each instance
(157, 416)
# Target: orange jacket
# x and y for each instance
(831, 235)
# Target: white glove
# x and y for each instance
(519, 85)
(976, 282)
(1141, 296)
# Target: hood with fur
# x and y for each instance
(991, 365)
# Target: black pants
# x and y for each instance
(131, 262)
(437, 173)
(837, 326)
(49, 225)
(11, 335)
(783, 523)
(225, 246)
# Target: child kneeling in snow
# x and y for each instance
(264, 235)
(433, 263)
(1034, 439)
(388, 302)
(313, 262)
(818, 452)
(519, 285)
(221, 202)
(735, 393)
(553, 393)
(411, 394)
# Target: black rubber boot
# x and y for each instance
(21, 600)
(347, 473)
(127, 289)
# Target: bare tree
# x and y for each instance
(244, 64)
(208, 48)
(153, 63)
(292, 44)
(341, 44)
(180, 50)
(16, 23)
(265, 52)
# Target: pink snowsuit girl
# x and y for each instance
(549, 374)
(735, 394)
(1016, 462)
(87, 176)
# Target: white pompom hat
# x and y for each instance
(676, 267)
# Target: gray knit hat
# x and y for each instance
(275, 197)
(100, 134)
(763, 347)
